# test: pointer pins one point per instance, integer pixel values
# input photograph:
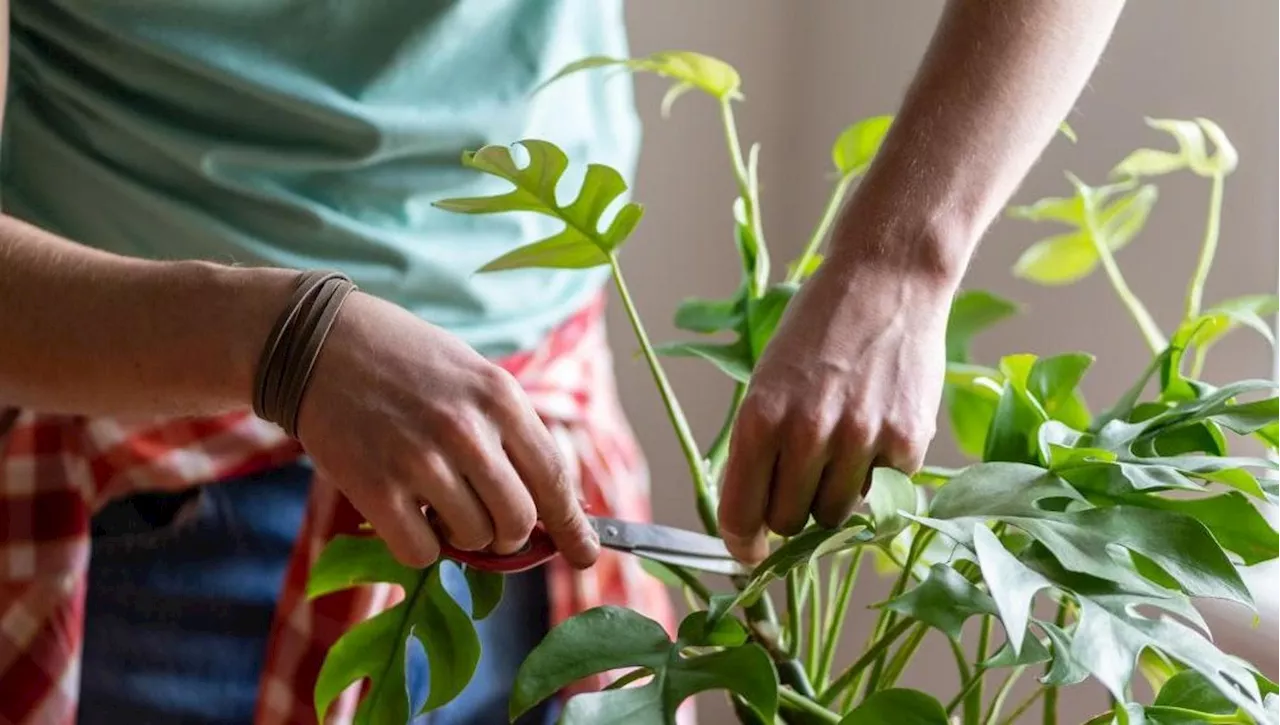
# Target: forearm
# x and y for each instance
(83, 331)
(996, 82)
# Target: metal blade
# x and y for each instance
(632, 536)
(714, 565)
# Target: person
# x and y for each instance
(169, 169)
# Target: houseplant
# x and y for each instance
(1091, 513)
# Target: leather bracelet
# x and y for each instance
(291, 349)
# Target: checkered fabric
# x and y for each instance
(56, 471)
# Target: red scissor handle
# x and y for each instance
(537, 551)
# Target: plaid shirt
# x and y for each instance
(56, 471)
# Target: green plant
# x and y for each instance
(1115, 520)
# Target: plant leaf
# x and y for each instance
(969, 408)
(763, 315)
(857, 145)
(891, 493)
(1012, 436)
(1236, 523)
(733, 359)
(1012, 586)
(1054, 381)
(375, 649)
(972, 312)
(709, 316)
(1190, 690)
(581, 243)
(572, 651)
(1066, 258)
(709, 75)
(897, 706)
(944, 601)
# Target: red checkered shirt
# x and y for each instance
(56, 471)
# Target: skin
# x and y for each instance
(400, 414)
(860, 381)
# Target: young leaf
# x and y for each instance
(891, 494)
(572, 651)
(857, 145)
(971, 407)
(581, 243)
(710, 316)
(1069, 257)
(710, 75)
(898, 706)
(1054, 381)
(763, 315)
(972, 312)
(1191, 153)
(375, 648)
(1012, 436)
(733, 359)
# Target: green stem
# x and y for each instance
(1195, 292)
(1051, 693)
(1002, 694)
(702, 489)
(813, 648)
(969, 685)
(1146, 324)
(819, 235)
(794, 608)
(796, 702)
(691, 581)
(973, 705)
(851, 675)
(898, 664)
(887, 618)
(1023, 707)
(718, 454)
(835, 619)
(962, 664)
(747, 190)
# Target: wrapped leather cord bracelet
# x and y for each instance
(291, 349)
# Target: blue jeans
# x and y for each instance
(182, 589)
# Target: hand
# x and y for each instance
(400, 415)
(852, 379)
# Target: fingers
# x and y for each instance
(467, 522)
(400, 523)
(536, 459)
(843, 484)
(800, 466)
(496, 483)
(746, 492)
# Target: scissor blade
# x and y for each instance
(632, 536)
(714, 565)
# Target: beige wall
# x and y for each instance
(812, 66)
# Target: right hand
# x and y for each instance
(400, 414)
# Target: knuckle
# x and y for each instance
(858, 428)
(473, 538)
(499, 390)
(760, 415)
(464, 431)
(805, 430)
(514, 520)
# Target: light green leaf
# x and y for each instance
(972, 312)
(1065, 129)
(898, 706)
(1190, 690)
(970, 405)
(1066, 209)
(857, 145)
(1068, 257)
(944, 601)
(709, 75)
(1054, 382)
(573, 650)
(582, 243)
(1149, 162)
(810, 266)
(891, 494)
(733, 359)
(673, 93)
(1012, 585)
(1191, 153)
(1012, 436)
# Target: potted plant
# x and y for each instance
(1117, 518)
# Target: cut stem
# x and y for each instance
(829, 213)
(1195, 292)
(702, 489)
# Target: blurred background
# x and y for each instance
(809, 69)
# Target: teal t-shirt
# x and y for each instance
(314, 133)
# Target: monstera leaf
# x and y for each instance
(970, 398)
(376, 648)
(582, 243)
(608, 638)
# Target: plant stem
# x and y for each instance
(824, 226)
(851, 675)
(1023, 706)
(747, 190)
(1051, 693)
(1195, 292)
(719, 451)
(702, 489)
(691, 581)
(813, 648)
(793, 613)
(1002, 694)
(968, 687)
(835, 619)
(898, 664)
(887, 618)
(797, 702)
(1146, 324)
(962, 665)
(973, 705)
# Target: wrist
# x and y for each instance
(930, 248)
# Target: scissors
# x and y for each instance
(651, 541)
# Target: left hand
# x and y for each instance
(852, 379)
